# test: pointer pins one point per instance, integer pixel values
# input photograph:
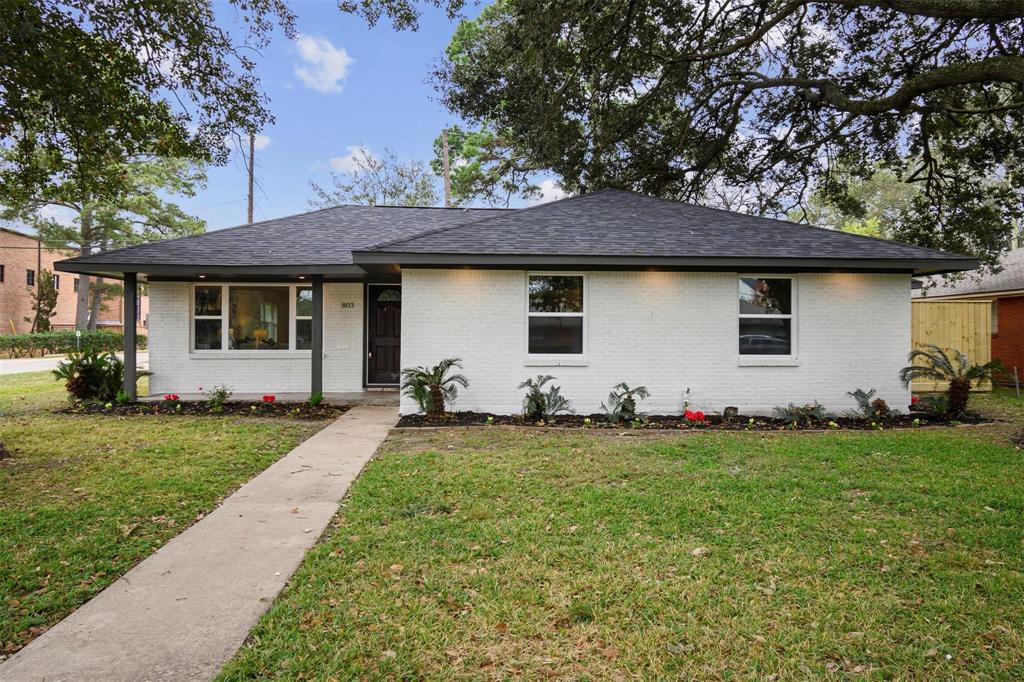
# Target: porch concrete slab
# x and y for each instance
(381, 398)
(185, 610)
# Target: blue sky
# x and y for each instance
(325, 104)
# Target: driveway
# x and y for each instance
(184, 611)
(18, 365)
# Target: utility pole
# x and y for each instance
(447, 174)
(252, 162)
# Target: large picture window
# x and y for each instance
(766, 316)
(555, 314)
(247, 317)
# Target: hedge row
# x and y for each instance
(44, 343)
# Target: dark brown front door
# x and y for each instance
(383, 343)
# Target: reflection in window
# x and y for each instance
(258, 318)
(766, 316)
(555, 315)
(304, 319)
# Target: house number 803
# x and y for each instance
(348, 304)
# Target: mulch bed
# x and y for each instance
(711, 423)
(202, 408)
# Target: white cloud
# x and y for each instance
(262, 141)
(550, 190)
(323, 65)
(349, 162)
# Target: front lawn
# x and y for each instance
(492, 553)
(85, 497)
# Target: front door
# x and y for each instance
(384, 333)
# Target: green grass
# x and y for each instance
(495, 553)
(85, 497)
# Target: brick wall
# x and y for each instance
(667, 331)
(176, 369)
(18, 254)
(1008, 340)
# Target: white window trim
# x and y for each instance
(791, 360)
(225, 351)
(555, 359)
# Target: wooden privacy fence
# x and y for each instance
(960, 325)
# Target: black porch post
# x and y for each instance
(316, 382)
(128, 326)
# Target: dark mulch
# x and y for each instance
(712, 422)
(202, 408)
(4, 452)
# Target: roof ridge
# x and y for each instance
(516, 211)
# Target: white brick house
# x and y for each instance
(595, 290)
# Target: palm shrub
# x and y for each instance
(957, 371)
(539, 404)
(91, 375)
(622, 402)
(433, 387)
(806, 415)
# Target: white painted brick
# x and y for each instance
(667, 331)
(175, 369)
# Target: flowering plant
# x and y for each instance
(914, 399)
(269, 398)
(691, 416)
(172, 397)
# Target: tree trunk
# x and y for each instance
(959, 393)
(436, 401)
(82, 304)
(95, 305)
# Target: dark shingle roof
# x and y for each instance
(1010, 278)
(327, 237)
(606, 229)
(619, 223)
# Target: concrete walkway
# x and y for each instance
(184, 611)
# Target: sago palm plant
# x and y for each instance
(433, 387)
(957, 371)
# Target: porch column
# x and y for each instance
(128, 326)
(316, 381)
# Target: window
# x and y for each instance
(138, 306)
(208, 318)
(1, 273)
(74, 285)
(555, 315)
(248, 317)
(30, 278)
(56, 282)
(303, 319)
(994, 306)
(766, 316)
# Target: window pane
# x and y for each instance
(208, 301)
(303, 302)
(765, 296)
(556, 335)
(765, 336)
(556, 294)
(258, 318)
(304, 334)
(207, 334)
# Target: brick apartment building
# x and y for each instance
(20, 256)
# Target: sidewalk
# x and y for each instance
(184, 611)
(19, 365)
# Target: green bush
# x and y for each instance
(92, 376)
(49, 343)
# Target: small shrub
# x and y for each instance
(622, 402)
(433, 387)
(866, 407)
(217, 396)
(957, 371)
(51, 343)
(806, 415)
(539, 404)
(316, 399)
(695, 417)
(122, 398)
(933, 404)
(92, 376)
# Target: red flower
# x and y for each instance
(171, 396)
(269, 398)
(698, 416)
(914, 399)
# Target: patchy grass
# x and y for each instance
(499, 553)
(1001, 403)
(84, 498)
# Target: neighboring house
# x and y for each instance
(595, 290)
(1006, 291)
(20, 256)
